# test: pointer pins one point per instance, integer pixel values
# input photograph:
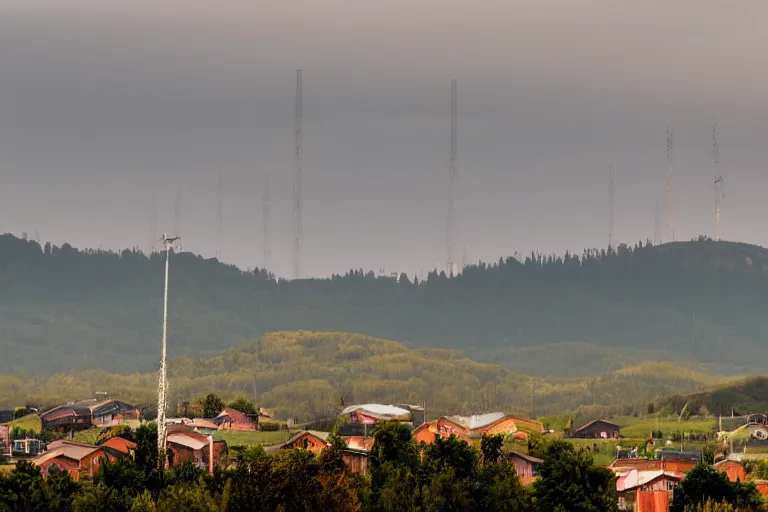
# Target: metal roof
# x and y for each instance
(185, 439)
(478, 420)
(379, 411)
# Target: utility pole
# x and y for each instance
(162, 387)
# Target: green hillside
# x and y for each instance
(742, 396)
(698, 302)
(305, 375)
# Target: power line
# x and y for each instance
(297, 192)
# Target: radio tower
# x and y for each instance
(265, 207)
(219, 215)
(719, 194)
(177, 214)
(297, 225)
(153, 224)
(452, 177)
(670, 197)
(656, 223)
(611, 196)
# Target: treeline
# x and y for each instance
(62, 308)
(308, 376)
(402, 475)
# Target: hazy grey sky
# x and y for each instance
(103, 104)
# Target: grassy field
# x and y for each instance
(642, 427)
(29, 422)
(88, 436)
(234, 437)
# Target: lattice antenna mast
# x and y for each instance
(452, 178)
(153, 224)
(670, 196)
(265, 213)
(719, 193)
(219, 215)
(611, 195)
(657, 223)
(297, 199)
(177, 214)
(162, 385)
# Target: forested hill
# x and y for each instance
(701, 301)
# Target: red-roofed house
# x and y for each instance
(198, 449)
(120, 445)
(231, 419)
(81, 460)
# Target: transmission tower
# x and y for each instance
(670, 196)
(265, 207)
(611, 195)
(453, 175)
(719, 193)
(297, 224)
(177, 214)
(219, 215)
(656, 223)
(153, 224)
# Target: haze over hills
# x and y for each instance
(701, 303)
(306, 375)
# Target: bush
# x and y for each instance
(269, 427)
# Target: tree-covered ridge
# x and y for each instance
(700, 301)
(306, 375)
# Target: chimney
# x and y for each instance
(210, 455)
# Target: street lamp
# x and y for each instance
(168, 241)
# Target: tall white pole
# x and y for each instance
(161, 404)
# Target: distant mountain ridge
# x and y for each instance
(699, 302)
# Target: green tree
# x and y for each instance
(24, 490)
(704, 483)
(492, 447)
(187, 498)
(243, 405)
(99, 498)
(62, 489)
(570, 482)
(143, 503)
(211, 405)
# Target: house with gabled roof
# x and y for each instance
(311, 440)
(79, 459)
(466, 428)
(232, 419)
(85, 414)
(597, 429)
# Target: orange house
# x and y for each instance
(466, 428)
(733, 469)
(81, 460)
(310, 440)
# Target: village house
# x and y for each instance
(118, 445)
(631, 481)
(88, 413)
(27, 447)
(651, 501)
(231, 419)
(597, 429)
(355, 455)
(310, 440)
(80, 460)
(196, 448)
(681, 466)
(734, 470)
(525, 465)
(369, 414)
(466, 428)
